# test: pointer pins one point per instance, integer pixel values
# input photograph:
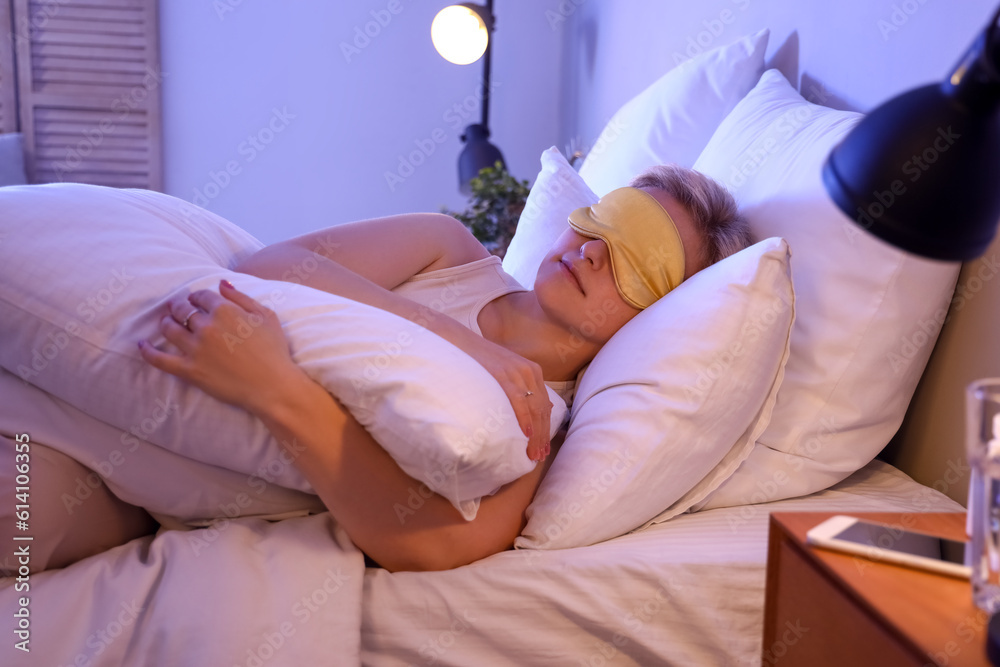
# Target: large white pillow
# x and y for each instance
(672, 404)
(644, 388)
(868, 314)
(557, 191)
(85, 272)
(673, 119)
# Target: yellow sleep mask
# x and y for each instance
(647, 256)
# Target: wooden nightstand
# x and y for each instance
(829, 608)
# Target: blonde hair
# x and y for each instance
(714, 211)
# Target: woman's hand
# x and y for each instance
(522, 381)
(227, 344)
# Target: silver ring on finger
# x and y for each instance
(528, 394)
(187, 320)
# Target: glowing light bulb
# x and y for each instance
(459, 35)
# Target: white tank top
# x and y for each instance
(462, 291)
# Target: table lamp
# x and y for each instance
(461, 34)
(921, 171)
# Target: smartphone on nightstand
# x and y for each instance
(891, 544)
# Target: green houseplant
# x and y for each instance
(495, 205)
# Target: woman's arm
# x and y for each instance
(386, 251)
(364, 260)
(367, 493)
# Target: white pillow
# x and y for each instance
(557, 191)
(868, 314)
(85, 272)
(672, 404)
(673, 119)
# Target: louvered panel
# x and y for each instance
(83, 37)
(127, 25)
(8, 78)
(116, 141)
(59, 80)
(93, 53)
(84, 65)
(80, 145)
(98, 12)
(91, 69)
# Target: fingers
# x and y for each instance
(532, 408)
(182, 311)
(206, 300)
(165, 362)
(242, 300)
(539, 412)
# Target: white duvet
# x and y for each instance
(686, 592)
(254, 593)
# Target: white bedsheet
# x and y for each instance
(252, 593)
(686, 592)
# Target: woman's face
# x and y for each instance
(576, 288)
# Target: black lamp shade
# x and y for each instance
(477, 154)
(922, 171)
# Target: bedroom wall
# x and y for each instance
(285, 117)
(861, 51)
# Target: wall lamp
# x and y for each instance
(461, 34)
(922, 171)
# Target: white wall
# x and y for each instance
(862, 51)
(269, 123)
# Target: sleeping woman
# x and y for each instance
(617, 258)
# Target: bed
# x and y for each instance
(782, 405)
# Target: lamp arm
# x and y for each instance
(975, 80)
(486, 74)
(489, 20)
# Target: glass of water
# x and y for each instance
(983, 443)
